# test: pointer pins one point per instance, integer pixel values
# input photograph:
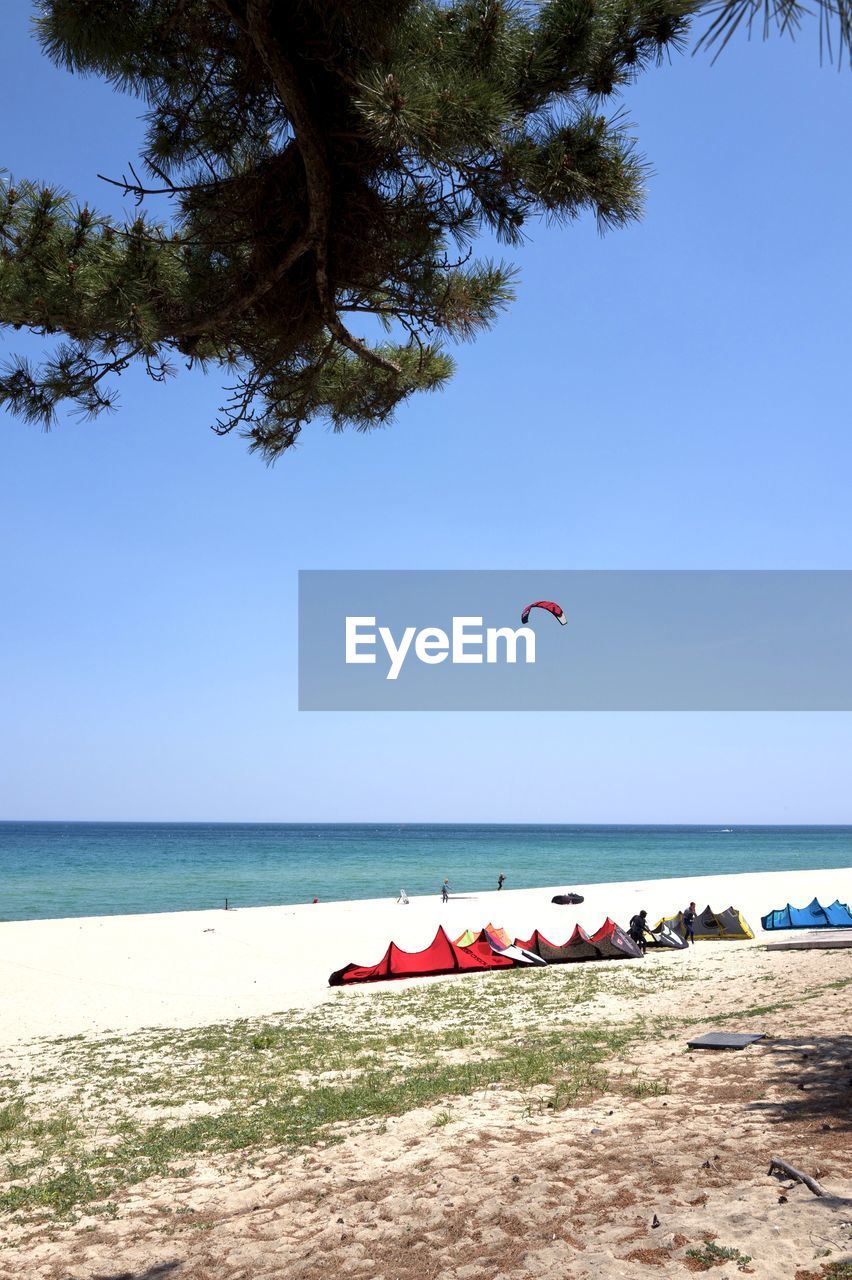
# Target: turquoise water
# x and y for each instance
(53, 869)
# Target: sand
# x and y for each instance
(631, 1182)
(64, 977)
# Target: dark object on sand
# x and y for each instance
(567, 899)
(726, 1040)
(787, 1170)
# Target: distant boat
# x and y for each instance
(727, 830)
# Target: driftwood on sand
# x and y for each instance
(781, 1166)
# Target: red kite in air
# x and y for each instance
(550, 605)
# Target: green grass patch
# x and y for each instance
(289, 1081)
(151, 1103)
(12, 1117)
(649, 1088)
(714, 1255)
(60, 1192)
(761, 1010)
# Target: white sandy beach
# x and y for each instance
(66, 977)
(659, 1156)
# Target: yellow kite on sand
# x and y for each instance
(499, 935)
(728, 924)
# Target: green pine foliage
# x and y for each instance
(324, 167)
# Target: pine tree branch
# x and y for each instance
(313, 152)
(241, 302)
(785, 16)
(323, 159)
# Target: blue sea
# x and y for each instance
(55, 869)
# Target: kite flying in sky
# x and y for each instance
(550, 605)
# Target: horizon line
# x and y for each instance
(393, 822)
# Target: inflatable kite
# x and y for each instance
(550, 605)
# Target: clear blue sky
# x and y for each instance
(671, 396)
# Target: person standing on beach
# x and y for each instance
(636, 929)
(689, 924)
(501, 880)
(445, 891)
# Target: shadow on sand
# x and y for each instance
(814, 1077)
(159, 1272)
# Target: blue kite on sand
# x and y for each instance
(814, 916)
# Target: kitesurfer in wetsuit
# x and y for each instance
(689, 924)
(636, 929)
